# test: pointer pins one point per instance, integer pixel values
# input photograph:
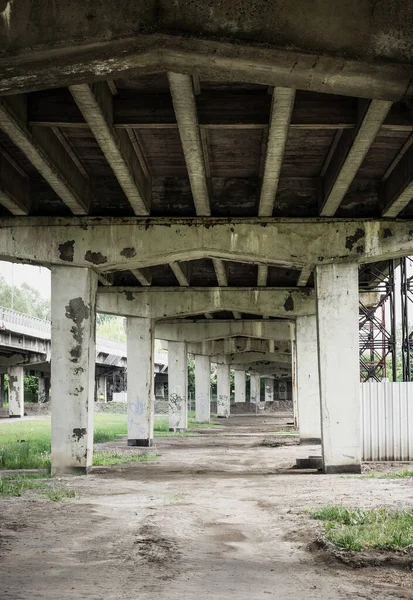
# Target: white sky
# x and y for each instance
(37, 277)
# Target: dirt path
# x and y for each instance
(215, 516)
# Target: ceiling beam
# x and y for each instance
(350, 152)
(47, 155)
(221, 272)
(96, 105)
(183, 97)
(14, 188)
(237, 314)
(181, 272)
(305, 275)
(142, 277)
(262, 276)
(281, 111)
(397, 187)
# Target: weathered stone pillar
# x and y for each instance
(202, 389)
(338, 350)
(294, 377)
(269, 389)
(223, 390)
(140, 347)
(41, 391)
(16, 391)
(101, 389)
(1, 390)
(73, 368)
(239, 381)
(308, 388)
(255, 391)
(178, 386)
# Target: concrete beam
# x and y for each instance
(350, 152)
(239, 345)
(397, 189)
(248, 358)
(183, 97)
(141, 243)
(262, 276)
(47, 155)
(14, 187)
(281, 111)
(160, 303)
(305, 275)
(201, 331)
(96, 104)
(356, 52)
(142, 277)
(181, 272)
(221, 272)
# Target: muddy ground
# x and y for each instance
(216, 515)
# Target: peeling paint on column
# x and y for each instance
(77, 311)
(96, 258)
(223, 406)
(79, 433)
(128, 252)
(353, 239)
(289, 304)
(67, 251)
(176, 404)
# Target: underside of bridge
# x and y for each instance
(209, 170)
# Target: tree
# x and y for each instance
(26, 300)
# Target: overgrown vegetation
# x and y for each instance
(15, 485)
(24, 299)
(405, 474)
(109, 457)
(59, 494)
(358, 529)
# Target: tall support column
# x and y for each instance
(223, 390)
(239, 382)
(16, 391)
(269, 389)
(294, 376)
(140, 348)
(337, 332)
(101, 389)
(308, 388)
(41, 392)
(202, 389)
(73, 368)
(255, 391)
(1, 390)
(178, 386)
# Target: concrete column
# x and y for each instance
(178, 386)
(223, 390)
(159, 389)
(41, 393)
(47, 388)
(255, 392)
(140, 348)
(16, 391)
(73, 368)
(269, 389)
(202, 389)
(101, 389)
(294, 381)
(308, 388)
(338, 351)
(239, 381)
(1, 390)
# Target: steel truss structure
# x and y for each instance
(406, 293)
(377, 321)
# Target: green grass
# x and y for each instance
(357, 529)
(15, 485)
(59, 494)
(108, 457)
(405, 474)
(177, 497)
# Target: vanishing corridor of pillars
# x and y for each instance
(140, 393)
(16, 391)
(338, 351)
(202, 389)
(178, 386)
(73, 368)
(255, 388)
(223, 390)
(101, 389)
(240, 385)
(269, 389)
(307, 382)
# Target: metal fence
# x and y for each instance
(387, 421)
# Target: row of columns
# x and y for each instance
(73, 368)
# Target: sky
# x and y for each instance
(37, 277)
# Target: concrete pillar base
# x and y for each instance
(177, 429)
(142, 442)
(333, 469)
(310, 441)
(70, 470)
(15, 416)
(222, 416)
